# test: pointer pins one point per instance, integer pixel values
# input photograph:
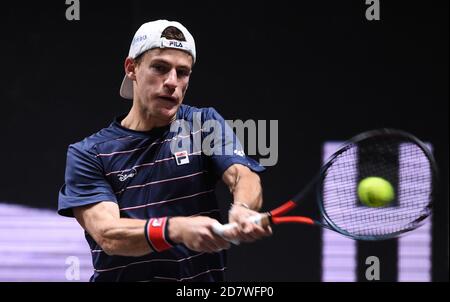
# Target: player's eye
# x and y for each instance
(183, 73)
(160, 68)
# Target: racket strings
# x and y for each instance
(402, 163)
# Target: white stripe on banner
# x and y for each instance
(414, 249)
(338, 252)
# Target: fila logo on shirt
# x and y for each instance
(181, 158)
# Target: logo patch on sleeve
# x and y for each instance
(181, 158)
(124, 175)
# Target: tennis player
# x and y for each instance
(147, 211)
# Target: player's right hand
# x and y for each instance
(196, 233)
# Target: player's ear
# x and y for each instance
(130, 68)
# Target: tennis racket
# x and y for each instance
(396, 156)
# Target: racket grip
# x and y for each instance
(258, 219)
(220, 229)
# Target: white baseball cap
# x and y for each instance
(147, 37)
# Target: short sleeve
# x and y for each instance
(229, 150)
(84, 182)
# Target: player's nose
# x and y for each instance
(172, 79)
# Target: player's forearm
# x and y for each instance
(247, 189)
(124, 237)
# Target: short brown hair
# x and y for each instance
(171, 33)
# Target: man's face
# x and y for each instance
(162, 78)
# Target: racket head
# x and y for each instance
(393, 154)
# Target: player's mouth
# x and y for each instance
(168, 98)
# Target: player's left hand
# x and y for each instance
(246, 231)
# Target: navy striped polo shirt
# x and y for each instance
(138, 171)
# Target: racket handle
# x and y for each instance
(220, 229)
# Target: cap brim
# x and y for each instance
(126, 89)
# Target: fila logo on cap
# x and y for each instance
(175, 44)
(182, 158)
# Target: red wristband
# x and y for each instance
(155, 232)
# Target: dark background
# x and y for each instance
(318, 67)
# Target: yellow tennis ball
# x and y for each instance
(375, 191)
